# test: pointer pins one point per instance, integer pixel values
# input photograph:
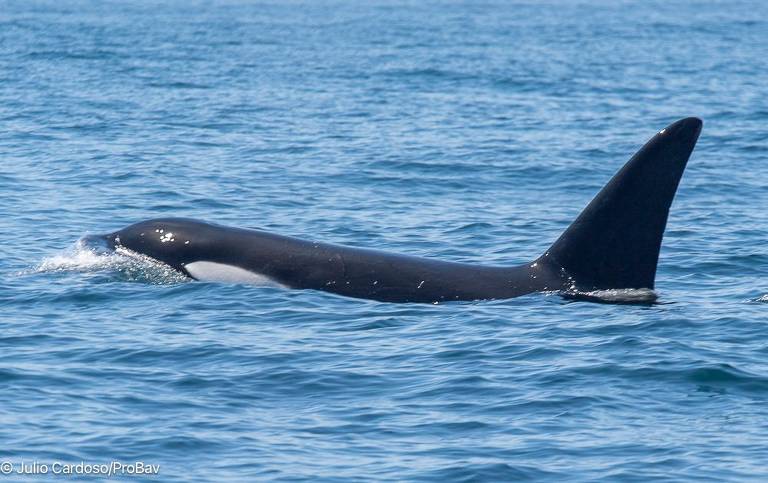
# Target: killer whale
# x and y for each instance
(613, 244)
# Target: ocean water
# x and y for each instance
(467, 131)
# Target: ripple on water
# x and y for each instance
(463, 130)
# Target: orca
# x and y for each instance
(613, 244)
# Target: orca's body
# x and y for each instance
(613, 244)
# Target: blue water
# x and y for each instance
(465, 131)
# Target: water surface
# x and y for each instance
(464, 131)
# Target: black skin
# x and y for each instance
(354, 272)
(613, 244)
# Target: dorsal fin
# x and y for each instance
(615, 241)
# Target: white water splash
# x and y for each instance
(124, 263)
(617, 296)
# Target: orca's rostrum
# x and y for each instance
(613, 244)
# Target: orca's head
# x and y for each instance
(173, 241)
